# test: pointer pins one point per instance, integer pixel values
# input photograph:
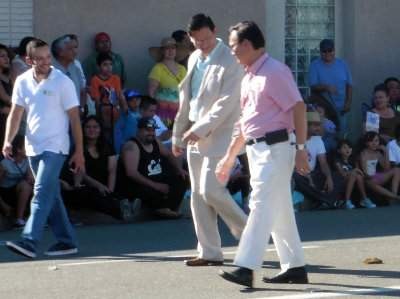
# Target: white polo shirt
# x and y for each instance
(46, 104)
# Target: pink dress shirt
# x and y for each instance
(268, 95)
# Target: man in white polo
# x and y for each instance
(51, 103)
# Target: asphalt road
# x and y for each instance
(145, 260)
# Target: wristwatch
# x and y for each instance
(300, 147)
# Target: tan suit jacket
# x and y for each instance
(219, 103)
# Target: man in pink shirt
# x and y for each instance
(272, 109)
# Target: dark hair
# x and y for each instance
(249, 30)
(200, 21)
(21, 51)
(103, 57)
(18, 143)
(146, 102)
(339, 144)
(390, 79)
(58, 44)
(342, 142)
(101, 144)
(380, 87)
(178, 35)
(368, 137)
(5, 48)
(34, 44)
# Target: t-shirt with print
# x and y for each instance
(105, 90)
(315, 146)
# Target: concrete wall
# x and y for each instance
(135, 25)
(371, 46)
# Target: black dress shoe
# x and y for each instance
(292, 275)
(242, 276)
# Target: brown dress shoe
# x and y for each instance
(198, 262)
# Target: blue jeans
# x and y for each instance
(47, 204)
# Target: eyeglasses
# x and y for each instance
(327, 51)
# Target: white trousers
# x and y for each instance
(271, 209)
(208, 200)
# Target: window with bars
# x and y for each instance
(16, 18)
(307, 23)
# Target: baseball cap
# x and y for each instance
(326, 44)
(313, 116)
(101, 36)
(147, 122)
(131, 94)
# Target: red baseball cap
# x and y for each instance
(102, 36)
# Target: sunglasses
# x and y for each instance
(327, 51)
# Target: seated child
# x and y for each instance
(351, 175)
(126, 126)
(374, 156)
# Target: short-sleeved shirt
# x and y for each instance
(394, 151)
(105, 90)
(268, 96)
(168, 81)
(46, 104)
(315, 147)
(73, 72)
(336, 73)
(97, 168)
(90, 66)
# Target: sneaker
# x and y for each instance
(61, 249)
(21, 248)
(125, 210)
(367, 203)
(349, 205)
(136, 206)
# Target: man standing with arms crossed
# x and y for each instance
(272, 109)
(209, 107)
(50, 100)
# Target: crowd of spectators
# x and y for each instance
(127, 135)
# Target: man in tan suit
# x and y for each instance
(209, 107)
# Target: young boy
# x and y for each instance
(105, 90)
(126, 126)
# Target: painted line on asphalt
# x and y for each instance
(331, 294)
(143, 257)
(234, 252)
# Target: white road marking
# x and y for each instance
(328, 294)
(151, 256)
(234, 252)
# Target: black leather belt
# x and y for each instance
(271, 138)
